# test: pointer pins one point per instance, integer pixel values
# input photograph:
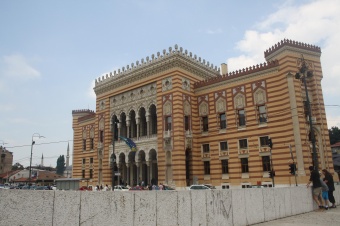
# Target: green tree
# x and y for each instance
(334, 134)
(61, 165)
(17, 166)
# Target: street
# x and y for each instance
(328, 217)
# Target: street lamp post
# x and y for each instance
(303, 74)
(30, 169)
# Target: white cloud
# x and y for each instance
(316, 22)
(4, 108)
(91, 92)
(18, 66)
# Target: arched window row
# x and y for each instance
(136, 124)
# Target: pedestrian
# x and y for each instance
(324, 193)
(330, 183)
(161, 186)
(106, 188)
(101, 187)
(315, 179)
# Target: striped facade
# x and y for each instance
(194, 123)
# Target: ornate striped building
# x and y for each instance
(174, 118)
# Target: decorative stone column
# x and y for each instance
(138, 124)
(138, 172)
(148, 179)
(128, 126)
(118, 125)
(147, 118)
(296, 125)
(128, 173)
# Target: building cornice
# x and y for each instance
(172, 59)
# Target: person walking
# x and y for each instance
(330, 183)
(315, 179)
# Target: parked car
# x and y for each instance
(210, 186)
(120, 188)
(167, 188)
(199, 187)
(136, 188)
(41, 188)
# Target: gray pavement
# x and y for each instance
(328, 217)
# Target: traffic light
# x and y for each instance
(292, 168)
(271, 173)
(270, 143)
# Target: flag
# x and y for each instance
(129, 143)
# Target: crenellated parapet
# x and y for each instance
(238, 73)
(176, 56)
(291, 43)
(82, 111)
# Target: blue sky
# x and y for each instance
(52, 51)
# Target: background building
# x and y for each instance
(6, 160)
(175, 118)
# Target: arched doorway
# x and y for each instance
(153, 166)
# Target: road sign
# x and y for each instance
(117, 174)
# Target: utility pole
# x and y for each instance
(294, 165)
(272, 172)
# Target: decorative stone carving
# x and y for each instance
(167, 84)
(203, 109)
(101, 124)
(92, 133)
(187, 108)
(167, 108)
(84, 134)
(221, 105)
(102, 105)
(239, 101)
(259, 97)
(186, 84)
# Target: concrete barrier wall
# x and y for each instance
(154, 208)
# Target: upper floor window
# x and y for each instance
(266, 163)
(243, 144)
(84, 161)
(225, 167)
(206, 148)
(224, 146)
(264, 141)
(223, 121)
(91, 160)
(91, 173)
(207, 167)
(101, 136)
(83, 173)
(244, 165)
(241, 117)
(91, 143)
(84, 144)
(168, 122)
(205, 126)
(186, 123)
(262, 114)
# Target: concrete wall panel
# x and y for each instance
(199, 207)
(238, 206)
(24, 207)
(96, 208)
(167, 208)
(269, 204)
(145, 208)
(219, 209)
(184, 208)
(254, 205)
(282, 202)
(123, 206)
(66, 208)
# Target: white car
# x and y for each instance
(199, 187)
(120, 188)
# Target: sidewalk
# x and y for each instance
(328, 217)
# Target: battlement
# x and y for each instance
(287, 42)
(156, 58)
(83, 111)
(238, 73)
